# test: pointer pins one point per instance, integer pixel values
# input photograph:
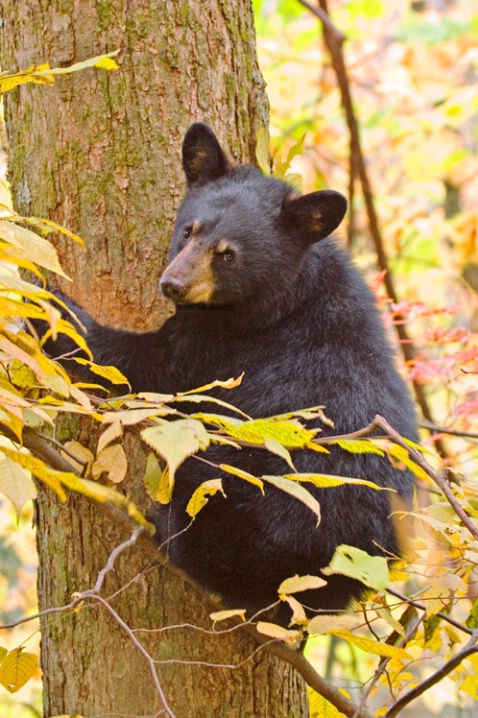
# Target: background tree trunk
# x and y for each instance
(99, 153)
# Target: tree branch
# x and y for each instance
(435, 678)
(334, 40)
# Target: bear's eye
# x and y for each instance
(187, 232)
(228, 256)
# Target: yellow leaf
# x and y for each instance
(243, 475)
(224, 615)
(83, 455)
(106, 63)
(201, 495)
(291, 638)
(38, 249)
(49, 476)
(174, 441)
(287, 433)
(111, 460)
(359, 447)
(17, 668)
(16, 482)
(369, 646)
(113, 432)
(324, 624)
(326, 481)
(262, 150)
(301, 583)
(228, 384)
(319, 707)
(110, 373)
(297, 491)
(152, 477)
(276, 448)
(299, 616)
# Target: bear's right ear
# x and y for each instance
(203, 157)
(314, 215)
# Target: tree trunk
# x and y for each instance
(99, 153)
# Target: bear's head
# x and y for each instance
(240, 236)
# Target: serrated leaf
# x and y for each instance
(110, 373)
(174, 441)
(290, 637)
(297, 491)
(369, 646)
(201, 495)
(17, 668)
(243, 475)
(287, 433)
(328, 481)
(224, 615)
(355, 563)
(112, 461)
(295, 584)
(16, 482)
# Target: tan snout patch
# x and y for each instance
(192, 267)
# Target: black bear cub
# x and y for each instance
(261, 288)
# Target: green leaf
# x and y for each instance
(297, 491)
(201, 495)
(355, 563)
(174, 441)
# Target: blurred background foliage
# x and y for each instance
(413, 72)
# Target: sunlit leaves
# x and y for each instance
(45, 75)
(16, 668)
(202, 494)
(176, 440)
(355, 563)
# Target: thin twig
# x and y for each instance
(435, 678)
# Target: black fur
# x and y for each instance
(295, 316)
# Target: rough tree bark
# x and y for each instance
(99, 153)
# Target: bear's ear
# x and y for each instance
(315, 215)
(203, 158)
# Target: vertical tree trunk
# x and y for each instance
(99, 153)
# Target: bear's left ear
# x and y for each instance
(315, 215)
(203, 157)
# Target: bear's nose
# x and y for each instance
(173, 288)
